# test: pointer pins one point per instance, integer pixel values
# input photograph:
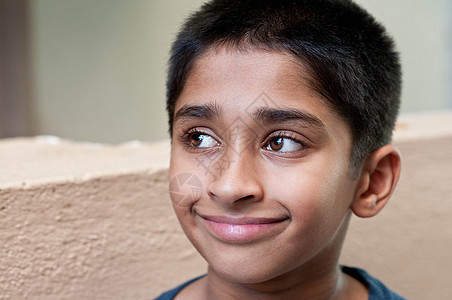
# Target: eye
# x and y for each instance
(201, 140)
(284, 144)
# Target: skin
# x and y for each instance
(282, 162)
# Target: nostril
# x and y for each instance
(230, 196)
(247, 197)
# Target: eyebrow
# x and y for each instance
(206, 111)
(264, 115)
(270, 116)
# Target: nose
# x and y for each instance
(238, 183)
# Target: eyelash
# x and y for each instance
(285, 135)
(185, 138)
(187, 135)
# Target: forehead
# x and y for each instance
(234, 81)
(257, 69)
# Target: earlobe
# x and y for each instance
(377, 181)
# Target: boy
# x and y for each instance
(281, 115)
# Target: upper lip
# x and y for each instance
(243, 220)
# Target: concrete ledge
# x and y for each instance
(91, 221)
(88, 221)
(423, 125)
(43, 159)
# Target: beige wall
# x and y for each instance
(422, 30)
(99, 66)
(91, 221)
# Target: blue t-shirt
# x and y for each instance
(377, 290)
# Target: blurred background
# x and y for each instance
(94, 70)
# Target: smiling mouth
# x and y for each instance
(243, 229)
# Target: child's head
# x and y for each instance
(350, 61)
(271, 105)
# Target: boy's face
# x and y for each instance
(259, 166)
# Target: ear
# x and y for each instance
(377, 181)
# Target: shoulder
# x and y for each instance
(171, 294)
(377, 290)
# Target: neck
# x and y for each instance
(289, 286)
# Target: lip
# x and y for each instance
(243, 229)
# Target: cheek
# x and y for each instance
(317, 196)
(188, 182)
(185, 185)
(185, 189)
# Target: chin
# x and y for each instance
(252, 269)
(244, 274)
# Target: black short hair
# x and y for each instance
(350, 58)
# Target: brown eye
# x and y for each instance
(196, 139)
(201, 140)
(276, 144)
(284, 144)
